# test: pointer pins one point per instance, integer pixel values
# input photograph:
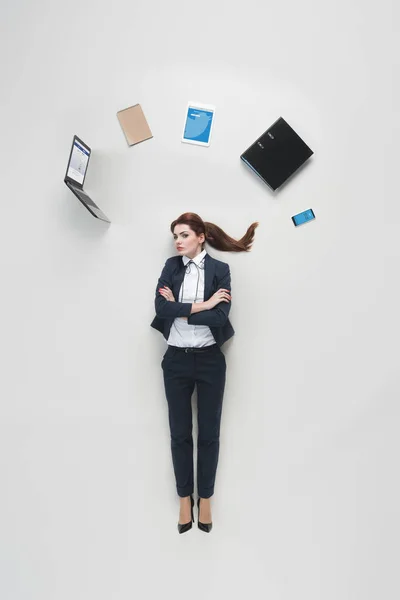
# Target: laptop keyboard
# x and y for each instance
(89, 201)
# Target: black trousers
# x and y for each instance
(183, 369)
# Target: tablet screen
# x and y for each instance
(198, 125)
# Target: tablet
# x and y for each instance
(198, 126)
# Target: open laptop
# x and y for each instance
(277, 154)
(75, 176)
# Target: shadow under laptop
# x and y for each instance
(75, 217)
(113, 183)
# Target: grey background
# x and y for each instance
(307, 486)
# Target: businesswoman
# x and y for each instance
(193, 300)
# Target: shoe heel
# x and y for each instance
(183, 527)
(206, 527)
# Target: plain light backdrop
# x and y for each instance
(307, 492)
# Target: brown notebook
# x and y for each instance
(134, 124)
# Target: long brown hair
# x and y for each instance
(215, 236)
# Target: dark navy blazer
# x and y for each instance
(216, 276)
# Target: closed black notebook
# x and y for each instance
(277, 154)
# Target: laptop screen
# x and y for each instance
(78, 162)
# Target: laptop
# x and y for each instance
(277, 154)
(75, 176)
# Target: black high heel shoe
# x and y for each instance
(183, 527)
(203, 526)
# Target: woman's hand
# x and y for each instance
(221, 295)
(167, 293)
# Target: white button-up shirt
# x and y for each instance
(192, 290)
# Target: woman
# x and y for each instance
(193, 300)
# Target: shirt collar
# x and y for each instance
(197, 259)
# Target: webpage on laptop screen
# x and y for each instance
(78, 163)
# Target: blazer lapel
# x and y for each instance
(209, 272)
(178, 279)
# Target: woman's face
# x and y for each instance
(187, 242)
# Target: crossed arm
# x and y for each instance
(198, 313)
